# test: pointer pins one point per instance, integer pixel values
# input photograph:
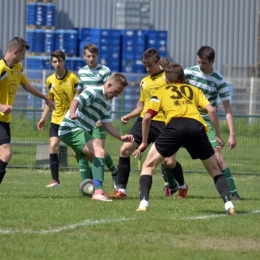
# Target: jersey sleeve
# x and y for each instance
(23, 78)
(106, 75)
(202, 100)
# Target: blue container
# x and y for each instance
(49, 41)
(35, 39)
(131, 97)
(83, 33)
(50, 14)
(40, 14)
(67, 40)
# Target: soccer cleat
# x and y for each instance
(117, 194)
(231, 211)
(101, 197)
(183, 192)
(142, 208)
(169, 191)
(53, 184)
(236, 197)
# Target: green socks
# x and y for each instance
(230, 181)
(170, 178)
(109, 164)
(84, 169)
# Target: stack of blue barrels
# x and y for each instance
(108, 42)
(133, 46)
(158, 40)
(67, 40)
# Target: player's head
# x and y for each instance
(58, 60)
(205, 59)
(115, 85)
(174, 73)
(18, 46)
(151, 61)
(91, 55)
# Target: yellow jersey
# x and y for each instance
(61, 91)
(10, 79)
(179, 100)
(148, 86)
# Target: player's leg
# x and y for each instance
(100, 134)
(124, 167)
(175, 175)
(54, 159)
(152, 160)
(222, 165)
(92, 148)
(220, 182)
(5, 148)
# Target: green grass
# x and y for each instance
(40, 223)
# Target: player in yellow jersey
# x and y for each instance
(11, 76)
(61, 88)
(185, 127)
(148, 86)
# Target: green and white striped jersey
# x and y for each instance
(93, 77)
(212, 85)
(93, 106)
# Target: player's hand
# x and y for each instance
(127, 138)
(41, 124)
(98, 123)
(140, 148)
(6, 109)
(220, 141)
(124, 119)
(232, 142)
(72, 116)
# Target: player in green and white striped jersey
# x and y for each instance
(91, 76)
(75, 130)
(205, 77)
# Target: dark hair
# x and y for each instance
(150, 55)
(18, 43)
(91, 48)
(206, 52)
(57, 54)
(174, 72)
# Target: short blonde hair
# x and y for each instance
(120, 78)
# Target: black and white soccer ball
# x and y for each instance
(87, 188)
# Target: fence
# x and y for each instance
(30, 146)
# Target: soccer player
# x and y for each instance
(11, 76)
(179, 101)
(92, 105)
(61, 88)
(148, 85)
(205, 77)
(91, 76)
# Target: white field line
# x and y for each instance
(106, 221)
(220, 215)
(68, 227)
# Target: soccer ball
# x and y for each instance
(87, 188)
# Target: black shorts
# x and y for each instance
(185, 132)
(5, 133)
(54, 128)
(156, 129)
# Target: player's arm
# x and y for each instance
(229, 117)
(34, 91)
(134, 113)
(45, 113)
(215, 123)
(73, 107)
(111, 130)
(146, 123)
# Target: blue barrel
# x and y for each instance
(40, 14)
(50, 14)
(131, 97)
(67, 40)
(49, 41)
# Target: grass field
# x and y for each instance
(40, 223)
